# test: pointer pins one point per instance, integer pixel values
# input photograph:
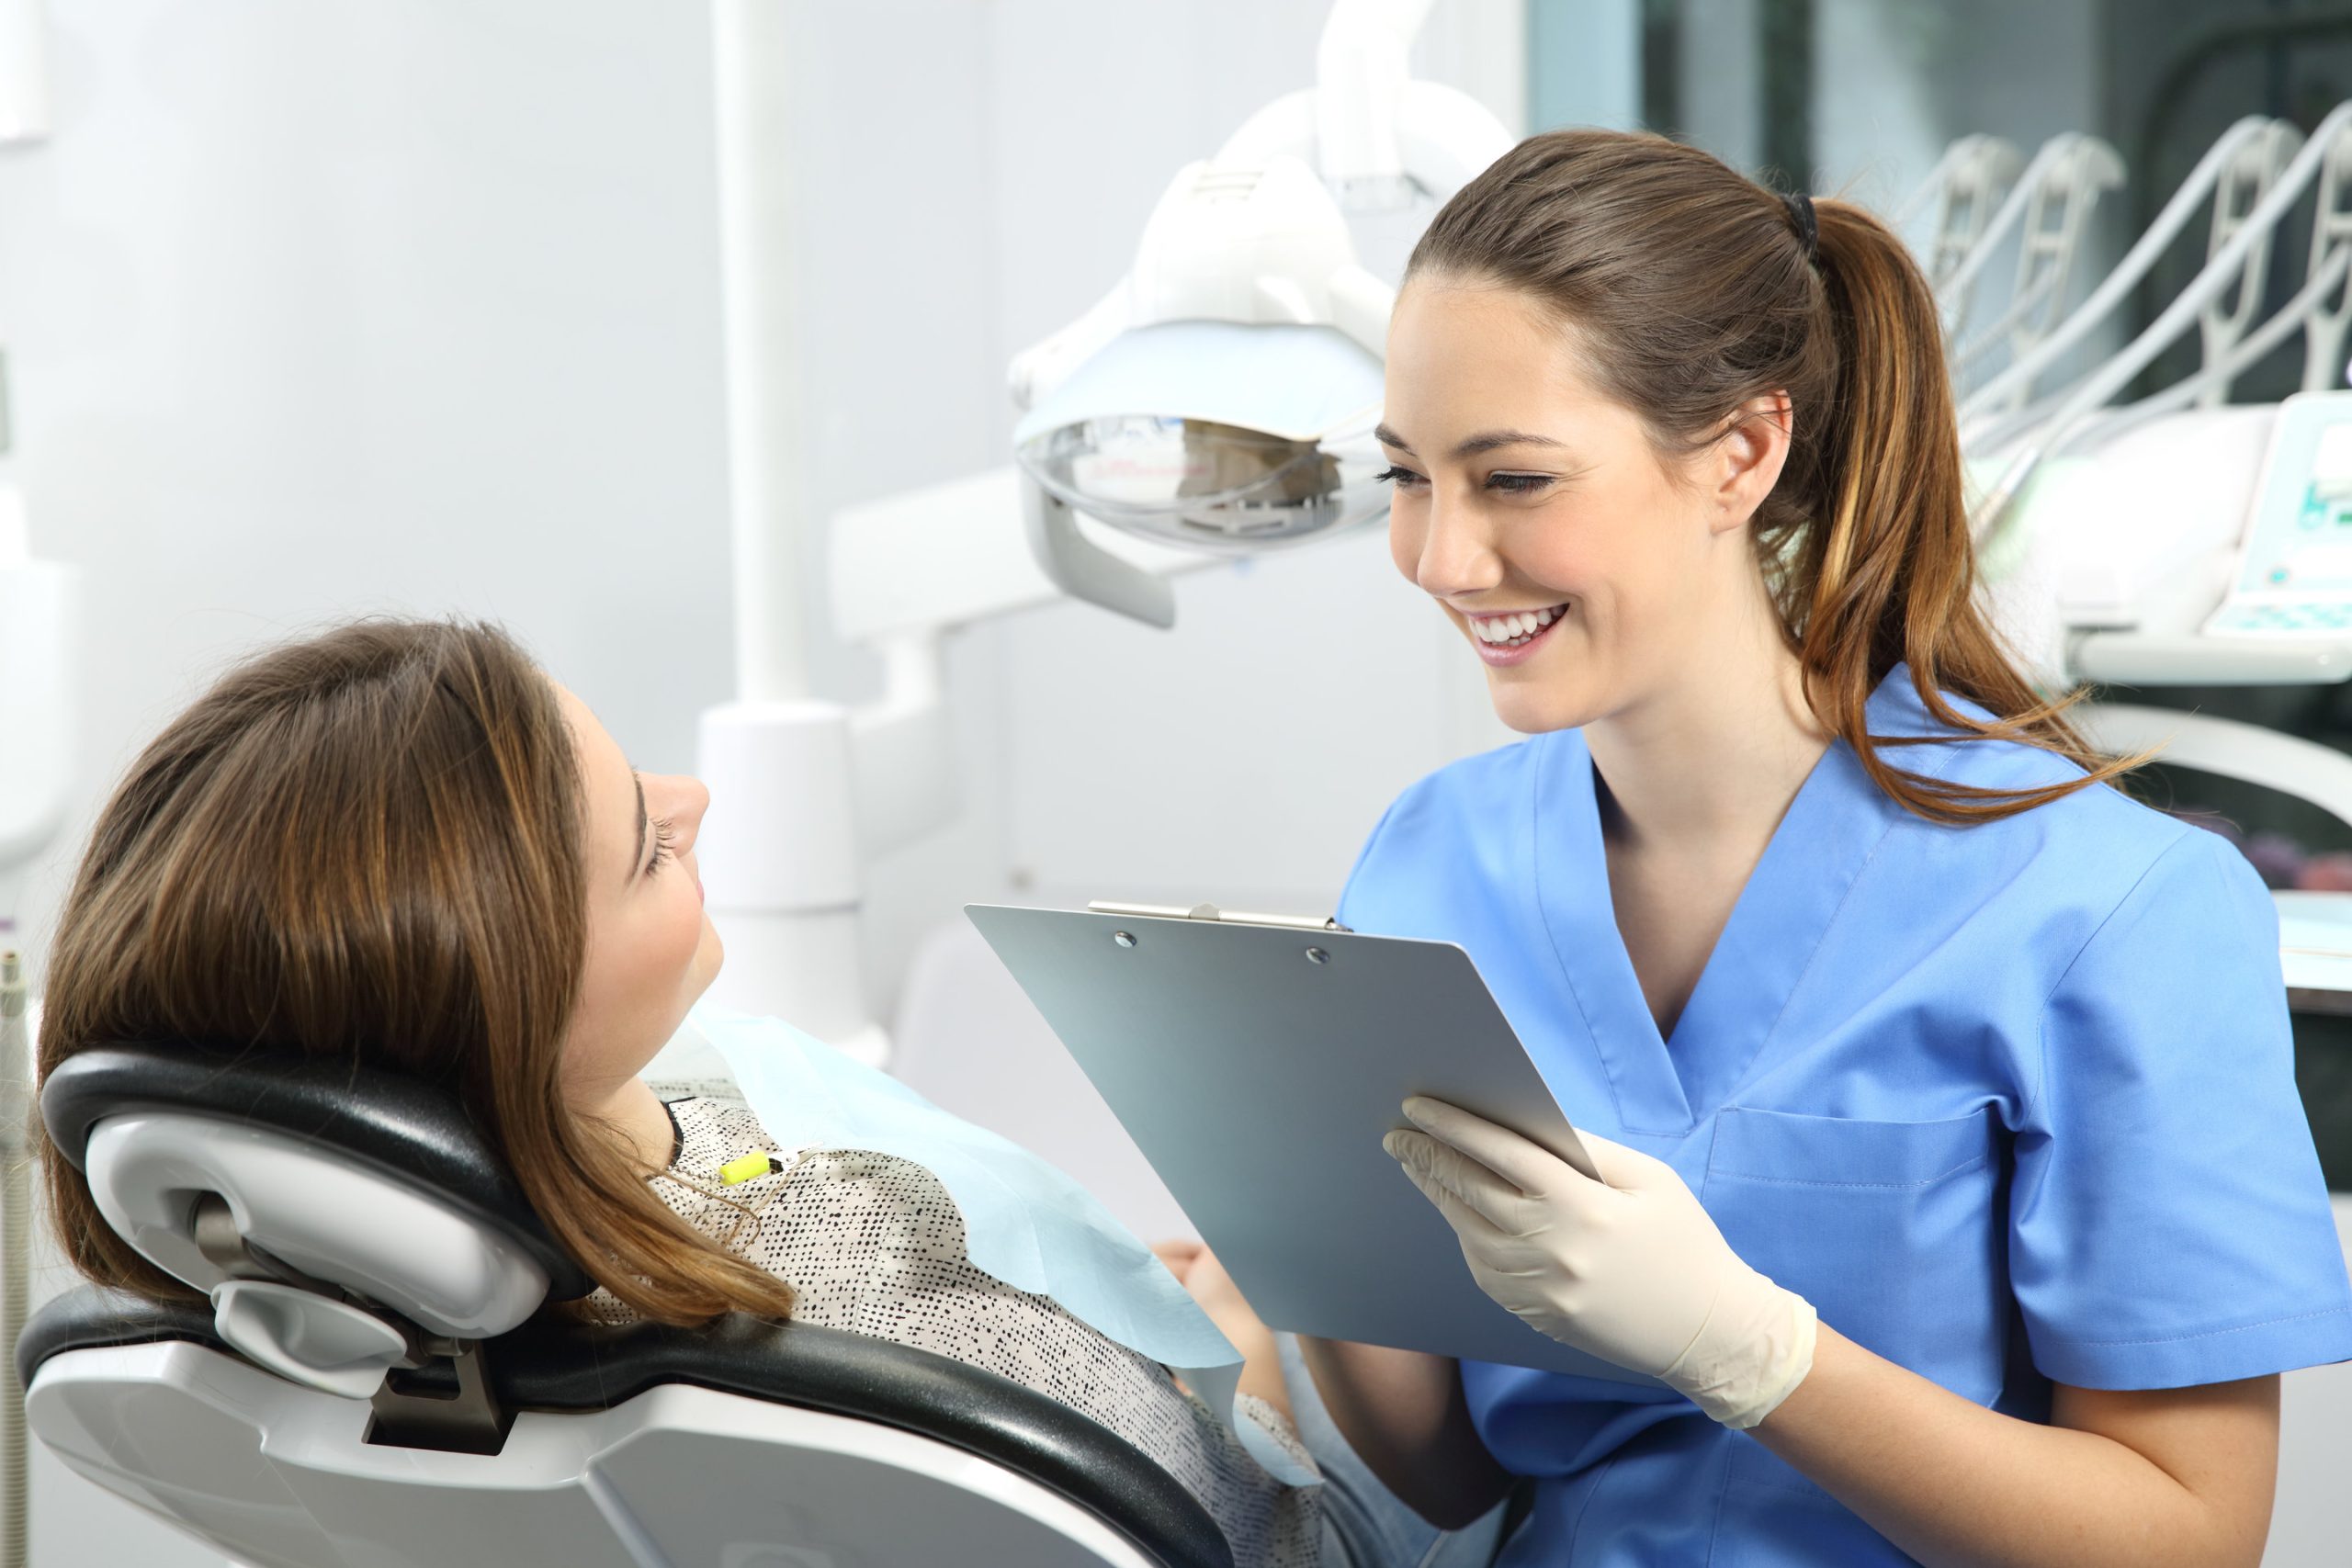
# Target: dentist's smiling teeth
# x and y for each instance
(1515, 630)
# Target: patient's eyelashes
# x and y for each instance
(662, 841)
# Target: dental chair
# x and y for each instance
(372, 1382)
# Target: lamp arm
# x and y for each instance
(908, 570)
(1362, 72)
(759, 242)
(901, 751)
(1360, 303)
(1447, 138)
(947, 556)
(1444, 136)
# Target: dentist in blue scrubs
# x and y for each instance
(1955, 1184)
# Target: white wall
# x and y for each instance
(407, 307)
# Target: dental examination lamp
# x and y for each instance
(1219, 402)
(1233, 412)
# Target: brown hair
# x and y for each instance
(368, 846)
(1690, 289)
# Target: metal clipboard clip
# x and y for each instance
(1224, 916)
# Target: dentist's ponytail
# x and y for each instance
(1695, 291)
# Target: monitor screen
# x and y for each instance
(2302, 539)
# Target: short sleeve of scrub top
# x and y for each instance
(2010, 1104)
(2162, 1172)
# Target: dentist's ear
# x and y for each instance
(1746, 463)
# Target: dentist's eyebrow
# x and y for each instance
(1485, 441)
(638, 781)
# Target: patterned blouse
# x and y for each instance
(874, 1244)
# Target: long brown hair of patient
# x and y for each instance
(1691, 292)
(368, 846)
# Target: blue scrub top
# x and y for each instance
(2010, 1104)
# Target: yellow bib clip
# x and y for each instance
(748, 1167)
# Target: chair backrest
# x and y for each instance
(370, 1366)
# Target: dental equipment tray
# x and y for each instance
(1257, 1061)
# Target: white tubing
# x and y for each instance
(2241, 358)
(2006, 217)
(1965, 188)
(2135, 265)
(2022, 304)
(2220, 271)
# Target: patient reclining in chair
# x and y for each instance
(401, 844)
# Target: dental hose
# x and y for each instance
(16, 1248)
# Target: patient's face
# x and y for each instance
(651, 949)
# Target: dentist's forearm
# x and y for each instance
(1405, 1416)
(1958, 1486)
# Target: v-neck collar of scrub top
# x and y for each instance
(1665, 1086)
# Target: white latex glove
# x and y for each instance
(1629, 1268)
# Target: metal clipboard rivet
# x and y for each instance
(1316, 956)
(1125, 939)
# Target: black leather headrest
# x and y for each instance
(556, 1364)
(405, 1129)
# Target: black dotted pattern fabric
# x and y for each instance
(875, 1244)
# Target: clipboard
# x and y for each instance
(1257, 1061)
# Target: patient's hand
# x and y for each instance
(1205, 1279)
